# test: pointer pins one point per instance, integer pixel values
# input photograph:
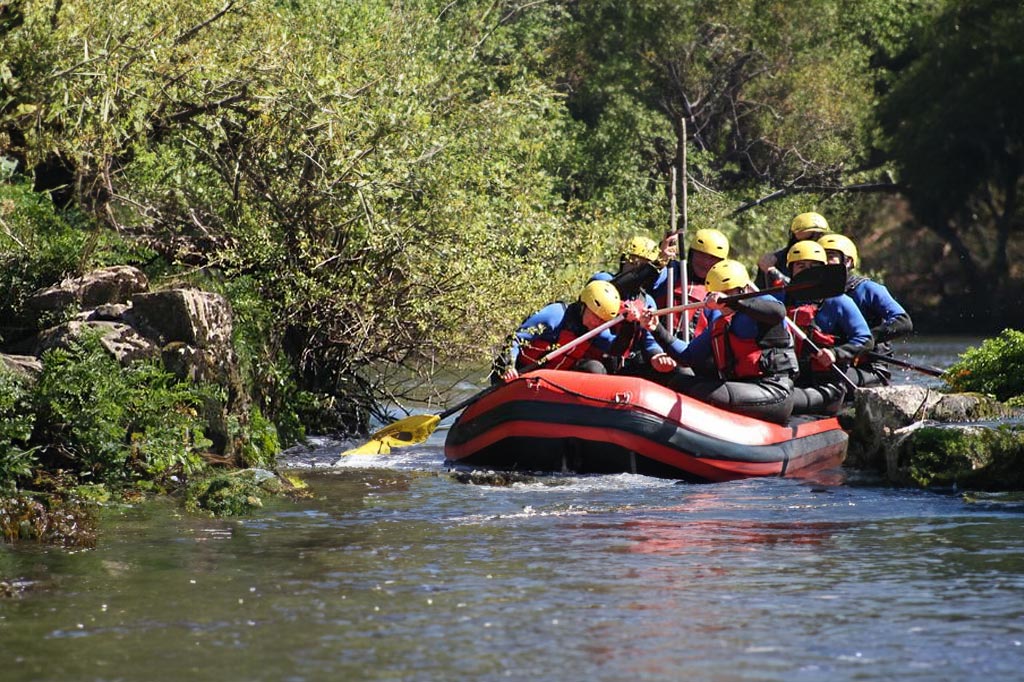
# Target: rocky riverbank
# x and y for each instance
(922, 437)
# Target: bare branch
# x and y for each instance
(866, 187)
(191, 33)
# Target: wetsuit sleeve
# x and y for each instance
(697, 353)
(660, 287)
(879, 304)
(543, 324)
(853, 328)
(673, 345)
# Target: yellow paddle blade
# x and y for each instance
(404, 432)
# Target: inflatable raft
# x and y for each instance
(572, 422)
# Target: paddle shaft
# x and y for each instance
(923, 369)
(817, 349)
(558, 352)
(821, 282)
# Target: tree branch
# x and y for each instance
(191, 33)
(866, 187)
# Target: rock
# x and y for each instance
(100, 287)
(197, 318)
(25, 366)
(880, 412)
(110, 312)
(120, 340)
(958, 455)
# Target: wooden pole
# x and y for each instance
(681, 144)
(673, 221)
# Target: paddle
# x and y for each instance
(813, 283)
(416, 428)
(923, 369)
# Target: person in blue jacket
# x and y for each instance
(885, 316)
(837, 328)
(555, 325)
(744, 361)
(708, 246)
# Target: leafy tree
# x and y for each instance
(386, 190)
(955, 130)
(777, 97)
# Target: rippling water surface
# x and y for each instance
(396, 571)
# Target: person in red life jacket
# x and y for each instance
(707, 247)
(836, 326)
(744, 362)
(885, 317)
(773, 268)
(634, 350)
(555, 325)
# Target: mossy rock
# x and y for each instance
(237, 493)
(971, 457)
(50, 519)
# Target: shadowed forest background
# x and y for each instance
(384, 189)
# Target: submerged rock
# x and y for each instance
(493, 478)
(960, 456)
(237, 493)
(51, 519)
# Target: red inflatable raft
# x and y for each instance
(555, 421)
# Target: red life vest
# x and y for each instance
(803, 316)
(532, 350)
(735, 357)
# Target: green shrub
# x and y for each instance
(259, 442)
(995, 367)
(115, 424)
(40, 246)
(16, 419)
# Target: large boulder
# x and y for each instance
(191, 316)
(115, 284)
(978, 457)
(880, 414)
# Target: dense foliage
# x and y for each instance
(87, 415)
(383, 189)
(995, 367)
(956, 136)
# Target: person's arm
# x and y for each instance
(852, 327)
(895, 321)
(543, 324)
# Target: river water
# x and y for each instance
(393, 570)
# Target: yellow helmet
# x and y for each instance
(601, 298)
(711, 242)
(806, 250)
(725, 275)
(838, 242)
(643, 247)
(809, 221)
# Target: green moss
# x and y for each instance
(982, 458)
